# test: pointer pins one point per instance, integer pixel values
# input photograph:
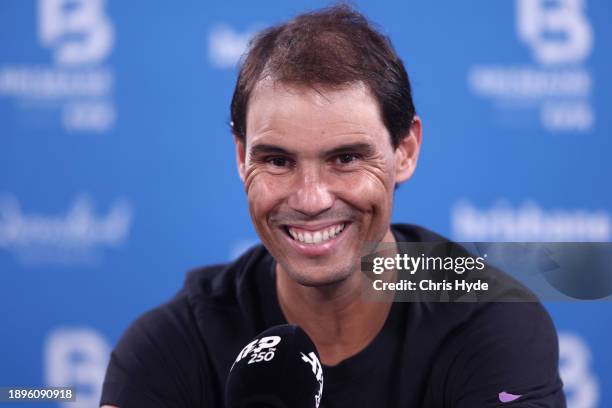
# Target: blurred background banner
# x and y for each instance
(117, 169)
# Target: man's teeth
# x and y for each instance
(314, 237)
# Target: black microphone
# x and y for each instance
(279, 368)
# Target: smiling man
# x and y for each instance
(319, 169)
(325, 130)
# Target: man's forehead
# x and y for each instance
(321, 91)
(274, 97)
(279, 111)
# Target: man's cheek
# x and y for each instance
(264, 192)
(250, 175)
(364, 189)
(256, 177)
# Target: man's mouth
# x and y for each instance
(318, 236)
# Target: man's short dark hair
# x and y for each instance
(330, 48)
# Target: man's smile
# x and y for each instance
(315, 235)
(316, 240)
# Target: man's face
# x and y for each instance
(319, 171)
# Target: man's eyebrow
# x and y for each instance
(261, 149)
(363, 148)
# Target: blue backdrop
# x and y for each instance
(117, 171)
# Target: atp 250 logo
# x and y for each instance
(260, 350)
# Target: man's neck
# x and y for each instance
(337, 318)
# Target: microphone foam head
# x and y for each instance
(279, 368)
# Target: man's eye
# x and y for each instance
(346, 158)
(279, 161)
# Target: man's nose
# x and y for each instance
(311, 195)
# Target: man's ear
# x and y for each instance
(407, 152)
(240, 156)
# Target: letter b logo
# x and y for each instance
(79, 30)
(557, 33)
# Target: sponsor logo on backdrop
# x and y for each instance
(226, 45)
(73, 238)
(528, 222)
(580, 383)
(77, 357)
(76, 82)
(556, 83)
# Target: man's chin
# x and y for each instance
(318, 276)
